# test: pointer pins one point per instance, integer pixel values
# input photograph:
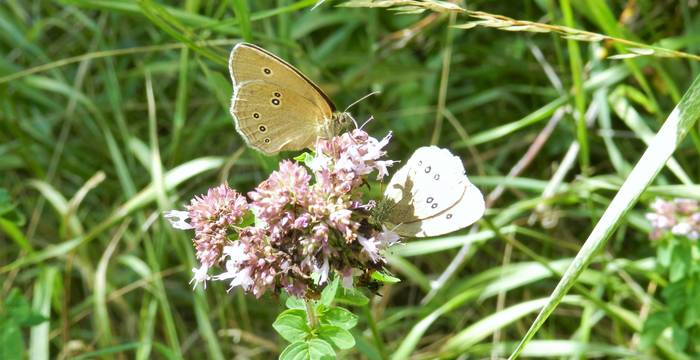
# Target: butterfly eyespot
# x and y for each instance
(449, 216)
(267, 71)
(434, 206)
(275, 102)
(276, 94)
(436, 177)
(429, 200)
(256, 115)
(427, 170)
(267, 140)
(262, 128)
(420, 163)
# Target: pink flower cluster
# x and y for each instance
(211, 216)
(309, 222)
(680, 216)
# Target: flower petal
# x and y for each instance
(200, 276)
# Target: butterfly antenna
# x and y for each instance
(353, 120)
(365, 123)
(360, 99)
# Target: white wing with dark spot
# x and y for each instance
(432, 195)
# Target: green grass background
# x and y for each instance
(114, 111)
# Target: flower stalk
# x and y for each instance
(311, 314)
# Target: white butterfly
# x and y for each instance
(432, 195)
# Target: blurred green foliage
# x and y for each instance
(89, 163)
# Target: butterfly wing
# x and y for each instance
(432, 181)
(271, 118)
(465, 212)
(250, 63)
(398, 193)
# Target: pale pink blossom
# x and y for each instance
(370, 246)
(211, 217)
(322, 271)
(310, 223)
(388, 238)
(346, 277)
(679, 217)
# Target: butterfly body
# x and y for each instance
(431, 195)
(274, 106)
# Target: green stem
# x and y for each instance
(310, 314)
(378, 342)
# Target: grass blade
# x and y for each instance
(579, 96)
(669, 137)
(480, 330)
(242, 12)
(41, 302)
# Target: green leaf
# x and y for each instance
(675, 296)
(292, 326)
(315, 349)
(11, 342)
(19, 310)
(294, 302)
(294, 351)
(304, 158)
(33, 319)
(680, 263)
(5, 203)
(15, 302)
(655, 324)
(351, 297)
(337, 336)
(328, 293)
(247, 220)
(14, 314)
(691, 315)
(321, 309)
(664, 253)
(339, 317)
(679, 338)
(8, 209)
(385, 278)
(14, 232)
(319, 349)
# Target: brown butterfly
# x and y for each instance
(274, 106)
